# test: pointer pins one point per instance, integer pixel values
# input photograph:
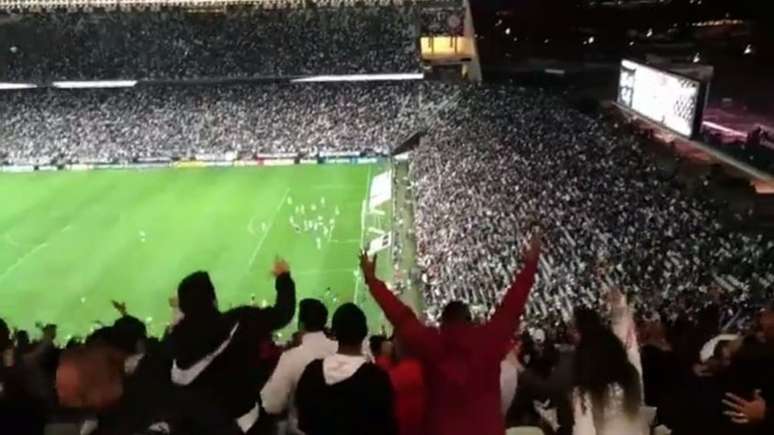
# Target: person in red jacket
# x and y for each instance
(408, 384)
(461, 360)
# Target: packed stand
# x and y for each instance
(568, 287)
(502, 158)
(184, 44)
(122, 125)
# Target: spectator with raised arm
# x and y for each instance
(461, 359)
(607, 392)
(218, 354)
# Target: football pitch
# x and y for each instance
(70, 242)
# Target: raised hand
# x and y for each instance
(614, 297)
(120, 307)
(280, 267)
(534, 247)
(745, 411)
(367, 266)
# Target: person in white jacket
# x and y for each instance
(607, 392)
(278, 394)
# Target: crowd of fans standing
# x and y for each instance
(122, 125)
(503, 158)
(184, 44)
(631, 291)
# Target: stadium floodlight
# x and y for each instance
(95, 84)
(4, 86)
(361, 78)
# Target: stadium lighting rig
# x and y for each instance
(14, 86)
(360, 78)
(95, 84)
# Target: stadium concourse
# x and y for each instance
(576, 289)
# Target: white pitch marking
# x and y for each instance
(268, 230)
(362, 230)
(21, 259)
(28, 254)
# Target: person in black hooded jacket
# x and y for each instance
(344, 394)
(217, 354)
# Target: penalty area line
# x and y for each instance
(259, 245)
(21, 259)
(28, 254)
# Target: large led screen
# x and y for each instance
(666, 98)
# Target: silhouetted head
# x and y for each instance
(312, 315)
(585, 321)
(349, 325)
(196, 294)
(455, 313)
(22, 340)
(129, 334)
(5, 336)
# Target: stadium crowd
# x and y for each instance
(505, 158)
(184, 44)
(221, 372)
(638, 305)
(51, 126)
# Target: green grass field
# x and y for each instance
(70, 242)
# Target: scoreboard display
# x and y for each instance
(674, 101)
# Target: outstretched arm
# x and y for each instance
(285, 303)
(420, 339)
(505, 320)
(623, 326)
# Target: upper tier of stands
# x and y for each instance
(179, 43)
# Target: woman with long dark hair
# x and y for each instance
(607, 392)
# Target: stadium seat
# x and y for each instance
(524, 430)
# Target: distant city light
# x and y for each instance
(508, 31)
(748, 49)
(546, 41)
(715, 23)
(631, 43)
(696, 58)
(591, 40)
